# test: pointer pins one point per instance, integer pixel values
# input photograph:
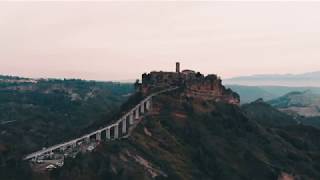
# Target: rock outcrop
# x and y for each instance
(194, 85)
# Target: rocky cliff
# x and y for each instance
(194, 85)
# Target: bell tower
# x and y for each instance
(177, 67)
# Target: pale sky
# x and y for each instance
(120, 41)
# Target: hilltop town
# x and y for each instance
(177, 125)
(194, 84)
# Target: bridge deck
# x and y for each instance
(74, 141)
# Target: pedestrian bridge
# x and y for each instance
(113, 131)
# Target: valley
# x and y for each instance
(44, 112)
(197, 129)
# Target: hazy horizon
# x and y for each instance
(119, 41)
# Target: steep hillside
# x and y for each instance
(301, 103)
(39, 113)
(311, 121)
(266, 115)
(189, 138)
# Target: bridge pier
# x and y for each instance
(131, 118)
(51, 154)
(63, 148)
(74, 144)
(137, 113)
(108, 134)
(124, 126)
(116, 131)
(87, 139)
(142, 107)
(98, 136)
(148, 105)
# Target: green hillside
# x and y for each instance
(194, 139)
(42, 113)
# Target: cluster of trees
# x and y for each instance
(50, 111)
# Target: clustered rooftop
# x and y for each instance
(195, 84)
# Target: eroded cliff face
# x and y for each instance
(194, 85)
(210, 88)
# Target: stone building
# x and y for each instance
(195, 84)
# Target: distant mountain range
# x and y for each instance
(304, 103)
(252, 93)
(304, 106)
(305, 79)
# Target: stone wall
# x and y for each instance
(195, 85)
(210, 88)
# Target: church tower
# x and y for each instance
(177, 67)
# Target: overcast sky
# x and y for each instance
(119, 41)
